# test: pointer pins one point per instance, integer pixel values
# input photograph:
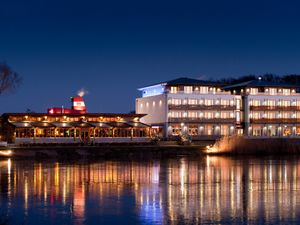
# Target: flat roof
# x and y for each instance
(184, 81)
(78, 115)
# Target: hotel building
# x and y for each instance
(269, 108)
(204, 109)
(197, 108)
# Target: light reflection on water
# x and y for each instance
(174, 191)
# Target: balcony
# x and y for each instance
(202, 107)
(274, 108)
(202, 120)
(278, 120)
(200, 93)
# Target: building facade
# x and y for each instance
(45, 128)
(269, 108)
(193, 107)
(209, 110)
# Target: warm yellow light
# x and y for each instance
(211, 149)
(6, 152)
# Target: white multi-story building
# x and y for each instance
(269, 108)
(198, 108)
(204, 109)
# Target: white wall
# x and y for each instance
(155, 107)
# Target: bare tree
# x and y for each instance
(9, 80)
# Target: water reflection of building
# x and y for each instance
(210, 190)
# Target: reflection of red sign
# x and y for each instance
(79, 202)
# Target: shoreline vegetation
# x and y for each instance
(235, 145)
(240, 145)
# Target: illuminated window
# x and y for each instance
(175, 101)
(224, 102)
(253, 91)
(208, 102)
(286, 91)
(192, 101)
(188, 89)
(174, 90)
(192, 114)
(272, 91)
(203, 90)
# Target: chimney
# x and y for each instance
(78, 103)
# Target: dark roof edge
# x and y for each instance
(85, 114)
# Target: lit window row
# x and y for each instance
(270, 91)
(201, 130)
(274, 115)
(203, 101)
(152, 104)
(194, 89)
(206, 115)
(271, 130)
(280, 102)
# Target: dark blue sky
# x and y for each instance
(112, 47)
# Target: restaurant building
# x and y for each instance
(75, 125)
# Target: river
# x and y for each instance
(205, 190)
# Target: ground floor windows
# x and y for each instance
(274, 130)
(201, 130)
(84, 133)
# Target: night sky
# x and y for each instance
(111, 48)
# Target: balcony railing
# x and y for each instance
(202, 107)
(274, 108)
(202, 120)
(200, 93)
(278, 120)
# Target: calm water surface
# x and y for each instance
(174, 191)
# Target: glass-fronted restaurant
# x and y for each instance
(23, 128)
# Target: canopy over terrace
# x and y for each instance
(82, 127)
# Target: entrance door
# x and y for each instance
(84, 135)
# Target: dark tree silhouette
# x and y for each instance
(289, 79)
(9, 79)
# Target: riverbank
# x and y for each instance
(163, 149)
(226, 146)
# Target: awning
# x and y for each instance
(119, 125)
(21, 124)
(42, 124)
(62, 124)
(138, 125)
(80, 124)
(101, 124)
